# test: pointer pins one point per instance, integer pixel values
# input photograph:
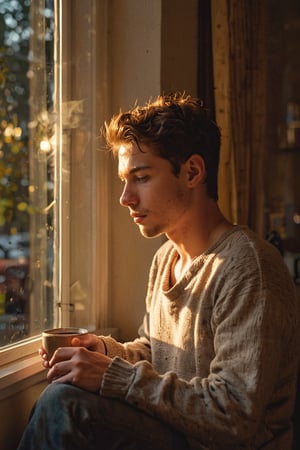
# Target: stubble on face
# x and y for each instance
(163, 199)
(167, 215)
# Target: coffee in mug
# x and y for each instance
(60, 337)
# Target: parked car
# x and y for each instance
(14, 289)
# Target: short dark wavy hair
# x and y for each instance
(175, 126)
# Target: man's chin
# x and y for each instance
(150, 233)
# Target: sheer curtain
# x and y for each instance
(239, 80)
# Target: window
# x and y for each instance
(26, 165)
(51, 105)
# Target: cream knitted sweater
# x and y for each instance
(218, 352)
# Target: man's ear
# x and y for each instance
(195, 169)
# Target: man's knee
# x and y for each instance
(57, 399)
(57, 393)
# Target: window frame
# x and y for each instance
(19, 362)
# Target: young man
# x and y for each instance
(215, 363)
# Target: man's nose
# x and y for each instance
(128, 197)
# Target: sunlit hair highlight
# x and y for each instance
(175, 126)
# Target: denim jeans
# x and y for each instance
(68, 418)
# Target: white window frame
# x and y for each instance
(19, 363)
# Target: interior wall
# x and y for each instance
(179, 46)
(134, 74)
(147, 56)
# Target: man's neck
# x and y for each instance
(198, 238)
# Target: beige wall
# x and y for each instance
(134, 73)
(153, 48)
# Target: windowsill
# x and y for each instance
(20, 375)
(21, 366)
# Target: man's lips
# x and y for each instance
(137, 217)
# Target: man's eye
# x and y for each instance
(142, 179)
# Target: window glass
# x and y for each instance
(26, 167)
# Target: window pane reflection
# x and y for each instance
(26, 167)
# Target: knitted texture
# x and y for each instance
(218, 352)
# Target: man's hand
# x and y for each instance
(82, 365)
(79, 366)
(89, 341)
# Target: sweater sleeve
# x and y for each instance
(134, 351)
(203, 409)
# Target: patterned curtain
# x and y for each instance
(238, 48)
